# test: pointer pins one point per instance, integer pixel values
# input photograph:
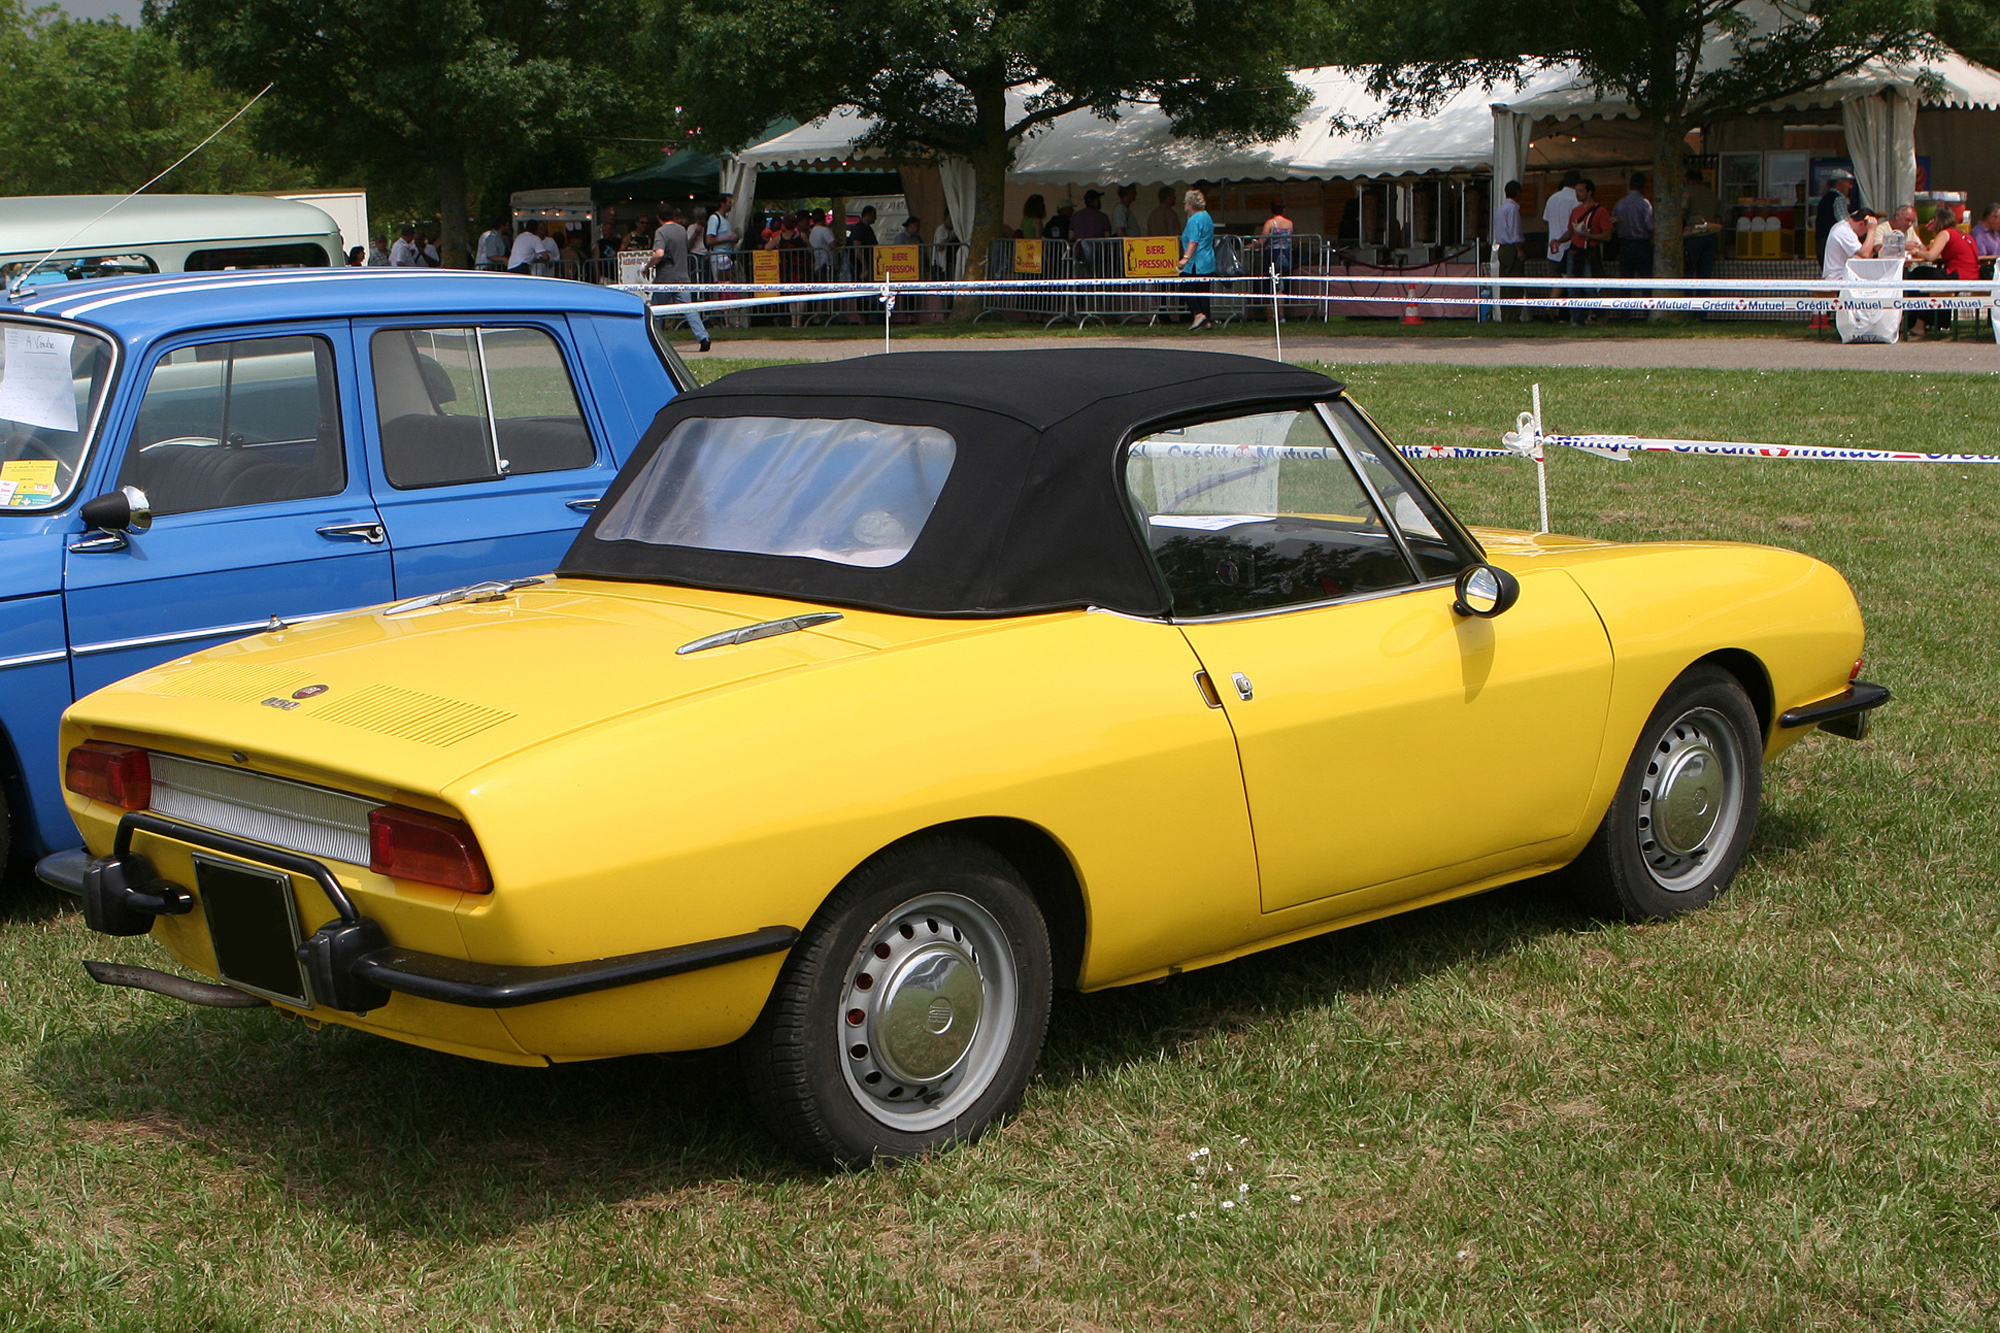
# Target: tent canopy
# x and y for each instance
(1083, 148)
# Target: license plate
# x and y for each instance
(253, 922)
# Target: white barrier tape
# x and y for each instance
(1621, 447)
(856, 287)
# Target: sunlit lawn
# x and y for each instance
(1776, 1114)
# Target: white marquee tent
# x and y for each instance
(1478, 130)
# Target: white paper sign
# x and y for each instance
(36, 387)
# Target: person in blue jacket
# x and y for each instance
(1197, 257)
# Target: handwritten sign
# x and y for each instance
(896, 263)
(36, 386)
(1152, 256)
(1027, 256)
(635, 266)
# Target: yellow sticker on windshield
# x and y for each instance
(27, 481)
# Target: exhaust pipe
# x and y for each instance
(164, 983)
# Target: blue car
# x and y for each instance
(190, 459)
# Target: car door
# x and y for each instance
(1389, 746)
(244, 448)
(485, 460)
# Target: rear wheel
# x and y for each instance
(1680, 822)
(911, 1013)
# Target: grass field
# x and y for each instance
(1782, 1113)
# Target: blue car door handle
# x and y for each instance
(368, 532)
(583, 505)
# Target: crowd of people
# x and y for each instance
(1932, 248)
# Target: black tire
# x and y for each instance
(845, 1072)
(1669, 844)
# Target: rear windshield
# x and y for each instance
(843, 490)
(52, 385)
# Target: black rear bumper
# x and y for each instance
(1846, 714)
(349, 961)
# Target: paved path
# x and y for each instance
(1717, 353)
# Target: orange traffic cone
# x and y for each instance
(1410, 315)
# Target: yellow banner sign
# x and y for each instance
(1027, 256)
(895, 263)
(764, 266)
(1152, 257)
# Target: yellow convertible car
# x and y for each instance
(879, 698)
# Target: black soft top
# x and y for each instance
(1033, 516)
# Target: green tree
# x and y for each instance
(95, 107)
(447, 94)
(1681, 63)
(974, 78)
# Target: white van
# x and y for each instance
(160, 233)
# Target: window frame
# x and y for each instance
(1451, 530)
(593, 431)
(1318, 407)
(158, 354)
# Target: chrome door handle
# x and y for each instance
(1242, 683)
(583, 506)
(97, 543)
(368, 532)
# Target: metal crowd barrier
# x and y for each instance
(1048, 259)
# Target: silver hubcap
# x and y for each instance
(1690, 799)
(927, 1011)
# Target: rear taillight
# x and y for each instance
(120, 775)
(430, 849)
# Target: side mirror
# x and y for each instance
(1485, 591)
(124, 510)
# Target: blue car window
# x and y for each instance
(251, 421)
(474, 404)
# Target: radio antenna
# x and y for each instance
(14, 288)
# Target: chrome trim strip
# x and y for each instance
(1377, 596)
(763, 629)
(189, 636)
(29, 659)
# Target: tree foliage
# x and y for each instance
(973, 78)
(95, 107)
(1681, 63)
(447, 93)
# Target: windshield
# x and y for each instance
(52, 383)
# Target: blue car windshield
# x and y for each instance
(52, 386)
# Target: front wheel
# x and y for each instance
(1680, 822)
(911, 1013)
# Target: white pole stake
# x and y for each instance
(888, 309)
(1541, 461)
(1277, 315)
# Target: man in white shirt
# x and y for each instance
(527, 251)
(1849, 239)
(1556, 213)
(1507, 240)
(821, 239)
(404, 253)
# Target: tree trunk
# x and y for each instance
(1669, 194)
(990, 157)
(454, 246)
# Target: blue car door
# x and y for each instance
(486, 456)
(244, 444)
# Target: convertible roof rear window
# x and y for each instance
(846, 490)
